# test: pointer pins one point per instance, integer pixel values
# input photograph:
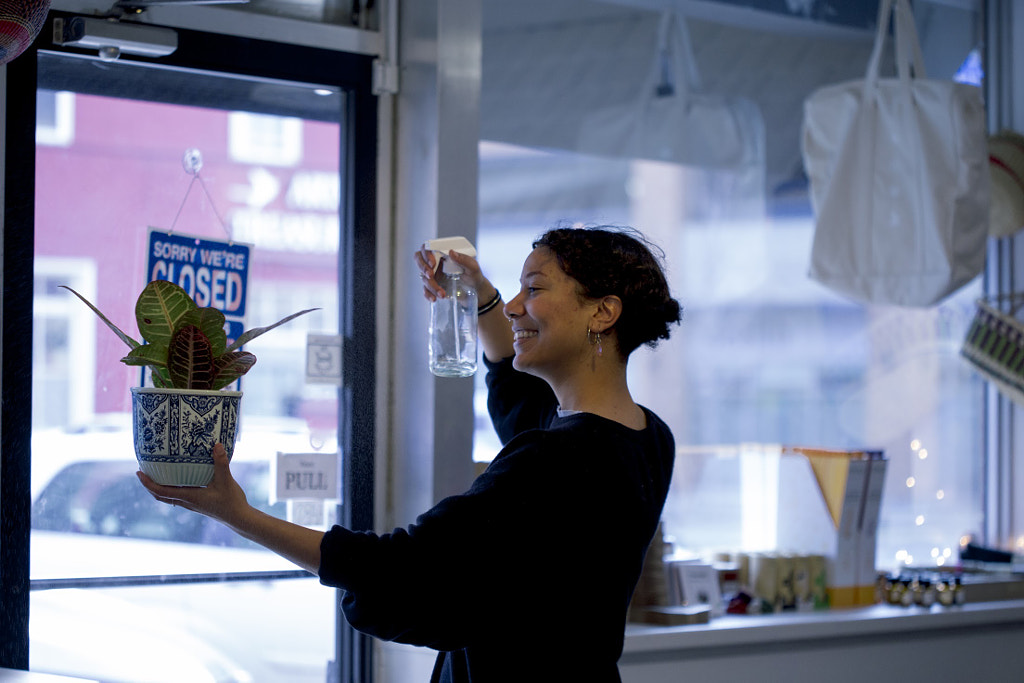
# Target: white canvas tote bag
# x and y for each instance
(899, 178)
(671, 120)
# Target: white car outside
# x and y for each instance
(93, 520)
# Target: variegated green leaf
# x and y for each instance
(211, 322)
(147, 354)
(231, 366)
(249, 335)
(190, 359)
(160, 308)
(160, 378)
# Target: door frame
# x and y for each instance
(356, 267)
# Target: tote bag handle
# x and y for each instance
(675, 71)
(908, 47)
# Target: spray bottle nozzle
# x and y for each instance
(442, 245)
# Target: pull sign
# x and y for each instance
(308, 476)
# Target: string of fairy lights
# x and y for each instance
(940, 555)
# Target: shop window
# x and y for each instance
(763, 353)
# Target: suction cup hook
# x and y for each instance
(192, 161)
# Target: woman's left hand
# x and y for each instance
(222, 499)
(428, 267)
(432, 276)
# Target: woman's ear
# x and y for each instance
(609, 308)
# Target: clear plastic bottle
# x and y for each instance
(453, 320)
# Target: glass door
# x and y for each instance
(130, 155)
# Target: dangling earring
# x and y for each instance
(595, 341)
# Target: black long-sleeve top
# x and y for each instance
(527, 576)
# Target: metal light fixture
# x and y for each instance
(112, 37)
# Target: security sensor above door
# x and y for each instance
(112, 37)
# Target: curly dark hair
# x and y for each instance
(619, 261)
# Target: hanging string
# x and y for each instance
(182, 206)
(192, 161)
(1014, 299)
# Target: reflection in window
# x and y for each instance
(104, 498)
(63, 346)
(55, 118)
(764, 354)
(264, 139)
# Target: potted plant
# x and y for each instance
(177, 421)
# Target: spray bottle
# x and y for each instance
(453, 319)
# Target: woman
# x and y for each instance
(527, 576)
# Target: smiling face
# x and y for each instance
(549, 318)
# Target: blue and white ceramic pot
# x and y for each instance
(175, 430)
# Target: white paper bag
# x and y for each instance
(671, 120)
(899, 178)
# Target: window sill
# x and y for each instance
(977, 642)
(878, 620)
